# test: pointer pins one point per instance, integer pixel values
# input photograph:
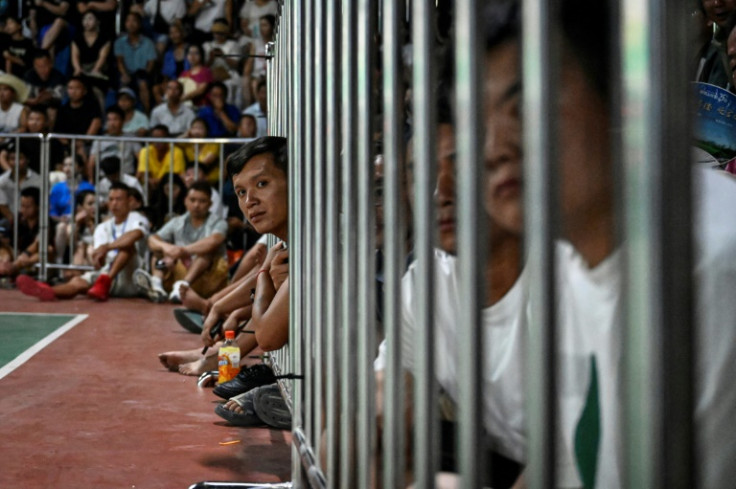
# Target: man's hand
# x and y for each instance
(275, 249)
(98, 255)
(279, 270)
(212, 318)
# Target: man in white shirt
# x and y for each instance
(109, 174)
(116, 256)
(13, 92)
(172, 113)
(125, 151)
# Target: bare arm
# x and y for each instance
(205, 246)
(94, 126)
(102, 57)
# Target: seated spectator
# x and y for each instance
(714, 67)
(115, 257)
(18, 52)
(167, 201)
(259, 109)
(109, 174)
(188, 251)
(25, 178)
(175, 56)
(136, 57)
(223, 56)
(221, 118)
(135, 122)
(46, 83)
(81, 114)
(251, 13)
(37, 123)
(260, 179)
(206, 155)
(162, 15)
(193, 175)
(61, 197)
(104, 10)
(197, 78)
(156, 160)
(248, 127)
(731, 50)
(173, 113)
(13, 92)
(254, 68)
(28, 220)
(125, 151)
(80, 233)
(48, 23)
(90, 52)
(204, 14)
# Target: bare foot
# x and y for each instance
(173, 359)
(233, 406)
(199, 366)
(191, 300)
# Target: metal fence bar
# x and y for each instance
(472, 241)
(426, 432)
(43, 228)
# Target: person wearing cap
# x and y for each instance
(135, 122)
(136, 57)
(13, 92)
(221, 51)
(204, 13)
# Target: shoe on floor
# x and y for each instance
(34, 288)
(247, 418)
(148, 285)
(247, 379)
(189, 320)
(271, 407)
(175, 295)
(100, 290)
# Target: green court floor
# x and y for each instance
(23, 335)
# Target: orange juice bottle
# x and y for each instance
(228, 359)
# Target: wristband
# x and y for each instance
(260, 272)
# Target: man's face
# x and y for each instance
(197, 204)
(125, 102)
(68, 167)
(162, 148)
(76, 91)
(262, 97)
(248, 127)
(28, 208)
(89, 204)
(217, 97)
(173, 92)
(43, 67)
(7, 94)
(132, 24)
(266, 29)
(118, 202)
(719, 11)
(114, 124)
(261, 188)
(36, 122)
(12, 26)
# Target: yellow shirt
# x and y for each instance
(160, 168)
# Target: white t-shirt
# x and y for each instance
(171, 10)
(253, 12)
(108, 231)
(504, 330)
(211, 10)
(10, 119)
(103, 189)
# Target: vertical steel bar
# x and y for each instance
(349, 255)
(333, 250)
(394, 235)
(196, 161)
(43, 228)
(16, 199)
(97, 180)
(366, 234)
(171, 178)
(471, 240)
(221, 177)
(540, 56)
(659, 346)
(426, 435)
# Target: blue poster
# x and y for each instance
(715, 123)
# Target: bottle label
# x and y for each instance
(228, 363)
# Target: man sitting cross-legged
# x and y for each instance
(115, 256)
(189, 251)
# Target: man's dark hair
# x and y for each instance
(41, 53)
(136, 15)
(78, 78)
(120, 186)
(203, 121)
(110, 165)
(270, 18)
(32, 192)
(262, 82)
(274, 145)
(202, 186)
(81, 195)
(38, 109)
(115, 109)
(161, 127)
(218, 84)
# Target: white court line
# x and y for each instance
(41, 344)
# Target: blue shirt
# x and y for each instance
(61, 200)
(135, 57)
(216, 127)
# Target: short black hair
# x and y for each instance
(218, 84)
(161, 127)
(120, 186)
(41, 53)
(201, 186)
(115, 109)
(38, 109)
(274, 145)
(270, 18)
(81, 195)
(110, 165)
(32, 192)
(78, 78)
(203, 121)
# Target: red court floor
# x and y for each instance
(95, 409)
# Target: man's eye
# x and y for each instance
(261, 184)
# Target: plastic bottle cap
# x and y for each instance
(229, 335)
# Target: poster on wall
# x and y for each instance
(715, 127)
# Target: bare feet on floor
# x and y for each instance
(191, 300)
(200, 366)
(173, 359)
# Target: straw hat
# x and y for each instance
(19, 87)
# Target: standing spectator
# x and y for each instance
(259, 109)
(136, 57)
(251, 14)
(47, 21)
(254, 68)
(81, 114)
(135, 122)
(46, 83)
(124, 151)
(173, 113)
(156, 159)
(204, 13)
(196, 79)
(18, 53)
(221, 118)
(12, 113)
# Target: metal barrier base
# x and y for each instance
(238, 485)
